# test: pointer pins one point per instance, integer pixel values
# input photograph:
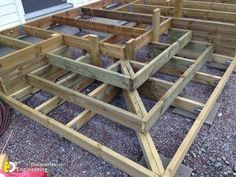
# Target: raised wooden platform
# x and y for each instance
(64, 65)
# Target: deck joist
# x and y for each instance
(48, 65)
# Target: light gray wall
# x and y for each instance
(11, 13)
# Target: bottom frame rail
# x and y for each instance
(188, 140)
(130, 167)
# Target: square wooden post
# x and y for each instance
(156, 19)
(94, 49)
(130, 49)
(178, 11)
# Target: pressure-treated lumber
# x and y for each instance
(143, 74)
(52, 69)
(132, 17)
(156, 20)
(86, 143)
(98, 73)
(196, 4)
(105, 93)
(13, 43)
(154, 89)
(186, 12)
(136, 105)
(55, 101)
(178, 12)
(174, 91)
(111, 112)
(106, 28)
(188, 140)
(29, 53)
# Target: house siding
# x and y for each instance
(11, 13)
(78, 3)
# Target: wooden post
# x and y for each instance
(130, 51)
(156, 19)
(94, 49)
(178, 11)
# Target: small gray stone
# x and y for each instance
(225, 173)
(234, 136)
(193, 154)
(203, 150)
(225, 160)
(234, 169)
(212, 159)
(218, 164)
(108, 173)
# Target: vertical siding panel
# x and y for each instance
(11, 13)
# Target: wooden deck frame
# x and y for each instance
(174, 91)
(221, 34)
(44, 76)
(185, 9)
(196, 4)
(115, 78)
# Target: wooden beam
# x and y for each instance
(155, 89)
(111, 112)
(84, 142)
(78, 83)
(188, 140)
(13, 43)
(94, 50)
(143, 74)
(187, 12)
(113, 50)
(132, 17)
(216, 6)
(76, 42)
(156, 20)
(178, 12)
(130, 50)
(223, 35)
(106, 28)
(196, 4)
(73, 81)
(136, 106)
(105, 93)
(174, 91)
(33, 52)
(220, 1)
(38, 32)
(94, 72)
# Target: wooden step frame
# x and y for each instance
(54, 75)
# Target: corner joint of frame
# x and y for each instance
(131, 84)
(81, 12)
(22, 30)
